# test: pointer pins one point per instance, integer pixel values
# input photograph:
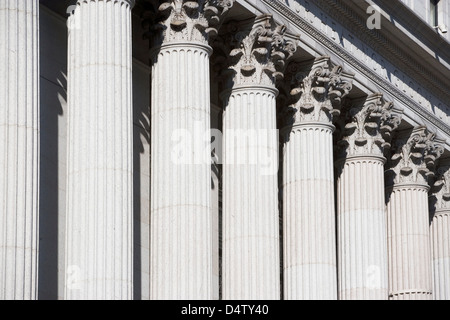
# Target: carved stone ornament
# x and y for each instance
(413, 158)
(257, 52)
(367, 126)
(184, 21)
(440, 190)
(318, 92)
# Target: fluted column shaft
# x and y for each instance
(251, 258)
(309, 216)
(366, 127)
(181, 239)
(361, 228)
(19, 148)
(440, 231)
(408, 243)
(410, 165)
(440, 241)
(309, 226)
(99, 224)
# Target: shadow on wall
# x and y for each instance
(53, 138)
(53, 98)
(141, 141)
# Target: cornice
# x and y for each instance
(340, 11)
(356, 64)
(410, 18)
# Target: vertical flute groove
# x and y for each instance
(361, 221)
(99, 172)
(440, 240)
(251, 258)
(309, 237)
(181, 234)
(408, 238)
(19, 149)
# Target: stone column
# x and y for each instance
(308, 181)
(181, 261)
(366, 128)
(19, 148)
(251, 261)
(440, 232)
(99, 224)
(413, 156)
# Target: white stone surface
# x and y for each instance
(361, 221)
(19, 149)
(440, 232)
(99, 223)
(410, 163)
(366, 127)
(181, 237)
(309, 227)
(355, 279)
(250, 167)
(309, 215)
(409, 244)
(251, 260)
(182, 263)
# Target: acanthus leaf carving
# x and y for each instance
(366, 126)
(183, 20)
(440, 189)
(257, 52)
(413, 158)
(318, 91)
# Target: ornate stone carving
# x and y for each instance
(440, 190)
(257, 52)
(361, 67)
(367, 126)
(413, 158)
(181, 20)
(317, 91)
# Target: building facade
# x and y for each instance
(225, 149)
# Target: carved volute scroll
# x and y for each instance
(318, 92)
(412, 158)
(178, 21)
(367, 126)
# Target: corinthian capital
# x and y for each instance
(367, 126)
(257, 52)
(440, 190)
(318, 91)
(184, 21)
(413, 158)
